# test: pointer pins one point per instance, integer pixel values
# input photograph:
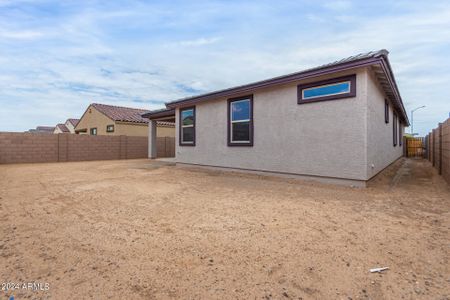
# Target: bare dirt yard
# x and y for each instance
(138, 229)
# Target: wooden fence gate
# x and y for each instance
(415, 147)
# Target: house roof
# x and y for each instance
(63, 128)
(377, 59)
(121, 114)
(45, 128)
(74, 122)
(165, 124)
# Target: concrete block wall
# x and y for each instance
(445, 160)
(34, 148)
(28, 147)
(439, 149)
(136, 147)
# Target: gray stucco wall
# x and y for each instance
(321, 139)
(380, 150)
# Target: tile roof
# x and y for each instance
(165, 124)
(123, 114)
(45, 128)
(74, 122)
(42, 130)
(63, 128)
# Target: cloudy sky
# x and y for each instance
(56, 57)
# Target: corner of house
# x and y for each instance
(365, 97)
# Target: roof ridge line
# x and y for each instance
(118, 106)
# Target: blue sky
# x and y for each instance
(56, 57)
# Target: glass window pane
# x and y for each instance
(188, 134)
(240, 110)
(240, 131)
(187, 117)
(326, 90)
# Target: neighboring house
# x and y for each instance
(68, 127)
(102, 119)
(339, 123)
(71, 124)
(43, 130)
(61, 128)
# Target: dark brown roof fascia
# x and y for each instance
(390, 76)
(379, 57)
(159, 114)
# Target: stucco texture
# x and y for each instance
(381, 151)
(320, 139)
(345, 138)
(70, 126)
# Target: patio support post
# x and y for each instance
(152, 139)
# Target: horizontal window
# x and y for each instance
(327, 90)
(240, 121)
(187, 127)
(336, 88)
(110, 128)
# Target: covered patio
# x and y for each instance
(162, 115)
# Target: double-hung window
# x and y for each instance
(240, 121)
(187, 126)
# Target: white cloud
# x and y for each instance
(20, 35)
(141, 53)
(199, 42)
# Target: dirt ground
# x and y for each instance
(142, 230)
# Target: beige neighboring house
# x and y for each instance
(102, 119)
(71, 124)
(61, 128)
(43, 130)
(68, 127)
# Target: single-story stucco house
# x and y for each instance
(67, 127)
(42, 130)
(103, 119)
(61, 128)
(339, 123)
(71, 124)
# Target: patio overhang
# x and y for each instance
(157, 118)
(167, 115)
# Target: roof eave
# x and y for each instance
(390, 75)
(380, 59)
(159, 114)
(274, 81)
